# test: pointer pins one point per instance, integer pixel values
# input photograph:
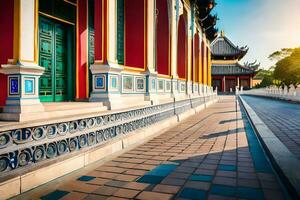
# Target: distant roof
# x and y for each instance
(231, 69)
(222, 46)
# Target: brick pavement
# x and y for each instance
(282, 118)
(212, 155)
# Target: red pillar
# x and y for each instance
(196, 57)
(181, 48)
(6, 41)
(163, 38)
(100, 24)
(135, 34)
(82, 51)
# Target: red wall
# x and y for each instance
(163, 38)
(196, 57)
(6, 41)
(181, 48)
(82, 50)
(135, 33)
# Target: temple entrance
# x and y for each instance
(230, 84)
(217, 83)
(55, 55)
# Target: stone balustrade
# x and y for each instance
(26, 146)
(292, 94)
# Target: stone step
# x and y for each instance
(60, 110)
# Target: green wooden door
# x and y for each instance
(53, 57)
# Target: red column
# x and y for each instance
(82, 51)
(163, 38)
(202, 61)
(196, 58)
(100, 24)
(135, 34)
(181, 48)
(6, 41)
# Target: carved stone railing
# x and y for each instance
(293, 94)
(23, 147)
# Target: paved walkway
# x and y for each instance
(282, 118)
(212, 155)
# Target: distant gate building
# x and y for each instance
(227, 73)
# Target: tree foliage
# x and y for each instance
(287, 69)
(205, 19)
(266, 76)
(278, 55)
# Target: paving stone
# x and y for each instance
(74, 195)
(57, 194)
(146, 195)
(179, 175)
(135, 172)
(95, 197)
(135, 186)
(173, 181)
(253, 183)
(126, 193)
(123, 177)
(225, 181)
(227, 167)
(205, 178)
(205, 171)
(105, 190)
(86, 178)
(198, 185)
(115, 183)
(273, 194)
(223, 190)
(250, 193)
(232, 174)
(190, 193)
(217, 197)
(99, 181)
(166, 188)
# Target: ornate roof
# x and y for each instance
(232, 69)
(222, 47)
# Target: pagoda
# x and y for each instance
(227, 73)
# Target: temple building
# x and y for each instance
(108, 51)
(83, 79)
(227, 73)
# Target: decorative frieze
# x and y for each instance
(25, 146)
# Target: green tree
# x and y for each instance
(266, 76)
(287, 69)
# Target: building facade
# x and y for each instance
(227, 73)
(118, 52)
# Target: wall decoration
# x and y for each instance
(114, 80)
(168, 86)
(140, 84)
(100, 81)
(29, 85)
(127, 83)
(14, 87)
(153, 84)
(182, 87)
(160, 85)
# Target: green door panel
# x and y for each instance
(120, 31)
(60, 62)
(46, 59)
(53, 55)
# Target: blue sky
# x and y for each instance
(263, 25)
